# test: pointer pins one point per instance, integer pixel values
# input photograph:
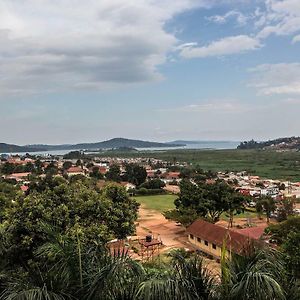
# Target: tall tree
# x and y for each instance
(114, 173)
(267, 205)
(135, 174)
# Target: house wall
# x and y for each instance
(208, 249)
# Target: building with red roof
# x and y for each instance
(209, 238)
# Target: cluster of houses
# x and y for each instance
(205, 237)
(155, 168)
(255, 186)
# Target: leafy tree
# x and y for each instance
(95, 173)
(51, 169)
(74, 155)
(285, 209)
(220, 198)
(67, 165)
(38, 167)
(236, 205)
(266, 204)
(135, 174)
(287, 235)
(206, 200)
(8, 194)
(114, 173)
(153, 184)
(7, 168)
(99, 215)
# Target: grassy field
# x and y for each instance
(160, 203)
(268, 164)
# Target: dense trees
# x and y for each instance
(153, 184)
(114, 173)
(53, 247)
(72, 208)
(135, 174)
(8, 194)
(205, 200)
(66, 268)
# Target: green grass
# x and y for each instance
(159, 203)
(267, 164)
(246, 214)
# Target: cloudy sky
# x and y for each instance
(84, 71)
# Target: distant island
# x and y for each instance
(287, 143)
(109, 144)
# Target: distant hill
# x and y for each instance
(109, 144)
(287, 143)
(122, 143)
(8, 148)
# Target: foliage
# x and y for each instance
(153, 184)
(74, 155)
(8, 193)
(257, 274)
(144, 191)
(135, 174)
(287, 235)
(114, 173)
(95, 173)
(206, 200)
(285, 209)
(99, 215)
(267, 164)
(267, 205)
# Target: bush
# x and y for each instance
(144, 192)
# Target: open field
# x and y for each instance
(268, 164)
(161, 203)
(158, 203)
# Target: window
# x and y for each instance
(198, 240)
(206, 243)
(191, 236)
(214, 246)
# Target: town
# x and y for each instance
(152, 181)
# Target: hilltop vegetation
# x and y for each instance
(288, 143)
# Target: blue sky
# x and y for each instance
(74, 71)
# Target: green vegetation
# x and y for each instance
(160, 203)
(287, 235)
(208, 201)
(53, 246)
(269, 164)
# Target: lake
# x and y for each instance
(216, 145)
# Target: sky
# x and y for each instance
(85, 71)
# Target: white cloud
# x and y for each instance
(223, 106)
(272, 79)
(62, 44)
(240, 18)
(282, 17)
(225, 46)
(296, 39)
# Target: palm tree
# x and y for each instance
(255, 275)
(187, 278)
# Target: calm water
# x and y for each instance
(217, 145)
